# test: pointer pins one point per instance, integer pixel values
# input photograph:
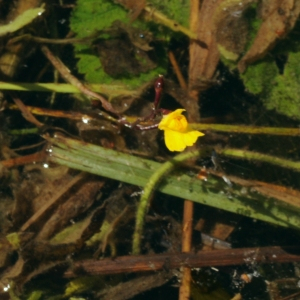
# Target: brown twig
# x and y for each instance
(154, 262)
(65, 73)
(23, 160)
(72, 115)
(42, 40)
(185, 290)
(177, 70)
(185, 286)
(290, 296)
(25, 112)
(133, 287)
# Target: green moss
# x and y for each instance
(284, 96)
(277, 91)
(259, 76)
(254, 24)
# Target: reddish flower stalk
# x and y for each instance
(158, 86)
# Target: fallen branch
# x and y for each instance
(155, 262)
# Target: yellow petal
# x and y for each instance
(178, 134)
(174, 121)
(191, 137)
(174, 140)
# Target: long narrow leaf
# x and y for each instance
(134, 170)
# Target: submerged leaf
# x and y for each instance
(278, 19)
(120, 57)
(80, 284)
(231, 27)
(178, 11)
(135, 7)
(137, 171)
(22, 20)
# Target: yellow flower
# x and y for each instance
(178, 134)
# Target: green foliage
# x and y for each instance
(258, 77)
(263, 78)
(91, 16)
(277, 91)
(138, 171)
(35, 295)
(22, 20)
(174, 9)
(284, 96)
(80, 284)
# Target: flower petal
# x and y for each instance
(191, 137)
(174, 140)
(174, 121)
(178, 134)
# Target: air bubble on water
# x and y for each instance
(6, 288)
(85, 120)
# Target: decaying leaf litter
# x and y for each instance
(66, 203)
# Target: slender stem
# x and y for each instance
(152, 183)
(256, 156)
(25, 111)
(24, 131)
(158, 87)
(111, 90)
(23, 160)
(247, 129)
(187, 230)
(65, 73)
(188, 212)
(161, 18)
(177, 70)
(42, 40)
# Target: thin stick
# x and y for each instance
(290, 296)
(155, 262)
(185, 285)
(188, 212)
(177, 70)
(26, 113)
(65, 73)
(23, 160)
(73, 115)
(161, 18)
(41, 40)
